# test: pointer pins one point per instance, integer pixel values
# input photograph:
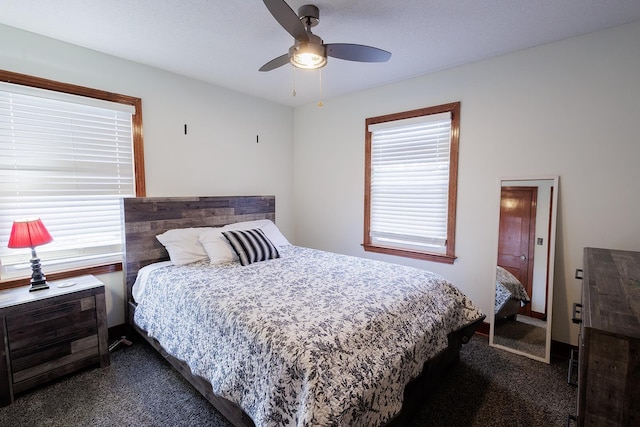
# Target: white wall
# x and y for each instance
(569, 108)
(218, 156)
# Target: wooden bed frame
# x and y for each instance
(510, 309)
(146, 217)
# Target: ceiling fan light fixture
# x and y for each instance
(308, 56)
(309, 51)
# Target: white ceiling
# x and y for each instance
(225, 42)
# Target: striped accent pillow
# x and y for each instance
(251, 245)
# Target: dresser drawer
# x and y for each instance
(609, 340)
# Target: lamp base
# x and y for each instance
(38, 281)
(38, 285)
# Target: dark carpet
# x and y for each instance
(489, 387)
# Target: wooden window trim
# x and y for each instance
(100, 269)
(448, 257)
(138, 152)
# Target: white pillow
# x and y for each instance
(266, 225)
(183, 245)
(217, 246)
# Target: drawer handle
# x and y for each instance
(573, 363)
(577, 310)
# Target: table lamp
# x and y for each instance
(30, 233)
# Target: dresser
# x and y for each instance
(50, 333)
(609, 340)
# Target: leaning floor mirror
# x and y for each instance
(523, 288)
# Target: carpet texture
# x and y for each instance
(489, 387)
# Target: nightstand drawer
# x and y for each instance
(24, 364)
(35, 329)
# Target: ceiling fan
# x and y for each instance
(308, 50)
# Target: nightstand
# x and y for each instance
(50, 333)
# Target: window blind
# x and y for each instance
(68, 162)
(410, 182)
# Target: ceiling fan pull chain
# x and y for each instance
(294, 81)
(320, 104)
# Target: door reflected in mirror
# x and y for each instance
(523, 291)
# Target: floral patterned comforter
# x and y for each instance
(309, 339)
(508, 287)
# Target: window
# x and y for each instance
(411, 183)
(68, 155)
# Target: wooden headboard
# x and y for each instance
(145, 217)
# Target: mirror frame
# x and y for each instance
(550, 266)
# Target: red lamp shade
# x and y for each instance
(28, 234)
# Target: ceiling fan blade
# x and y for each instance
(287, 18)
(275, 63)
(357, 52)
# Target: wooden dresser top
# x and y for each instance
(612, 291)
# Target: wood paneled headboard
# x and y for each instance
(145, 217)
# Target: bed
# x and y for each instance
(510, 295)
(313, 345)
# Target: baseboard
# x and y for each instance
(536, 315)
(483, 329)
(116, 332)
(562, 350)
